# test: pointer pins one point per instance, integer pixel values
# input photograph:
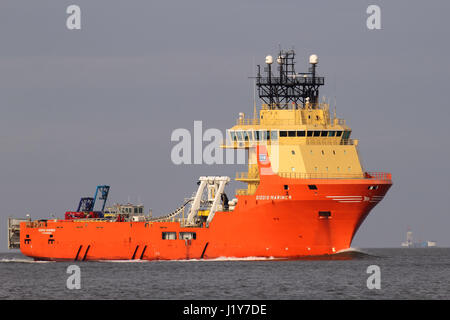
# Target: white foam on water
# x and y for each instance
(356, 250)
(193, 260)
(225, 259)
(17, 260)
(121, 261)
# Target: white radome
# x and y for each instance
(280, 59)
(269, 60)
(313, 59)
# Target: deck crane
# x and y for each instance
(86, 207)
(102, 193)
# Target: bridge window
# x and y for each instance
(310, 134)
(233, 136)
(312, 187)
(169, 235)
(300, 133)
(316, 133)
(291, 133)
(245, 135)
(264, 135)
(346, 135)
(324, 133)
(261, 135)
(274, 135)
(338, 133)
(331, 133)
(188, 236)
(283, 133)
(239, 135)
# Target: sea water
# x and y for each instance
(406, 273)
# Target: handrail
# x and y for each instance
(384, 176)
(247, 175)
(378, 175)
(290, 105)
(297, 79)
(331, 141)
(243, 144)
(247, 121)
(242, 192)
(328, 141)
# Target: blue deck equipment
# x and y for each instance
(87, 204)
(102, 193)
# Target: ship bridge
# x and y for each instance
(303, 137)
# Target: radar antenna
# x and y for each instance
(289, 89)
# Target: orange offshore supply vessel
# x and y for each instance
(307, 193)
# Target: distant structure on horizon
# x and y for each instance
(410, 244)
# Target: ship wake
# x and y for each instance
(195, 260)
(19, 260)
(354, 253)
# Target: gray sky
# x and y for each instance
(98, 105)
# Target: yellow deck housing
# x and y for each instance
(304, 142)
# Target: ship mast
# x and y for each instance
(289, 89)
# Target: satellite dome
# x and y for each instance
(280, 59)
(313, 59)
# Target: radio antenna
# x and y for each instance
(254, 92)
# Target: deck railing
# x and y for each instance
(246, 175)
(242, 192)
(384, 176)
(247, 121)
(330, 141)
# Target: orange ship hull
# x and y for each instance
(273, 222)
(310, 206)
